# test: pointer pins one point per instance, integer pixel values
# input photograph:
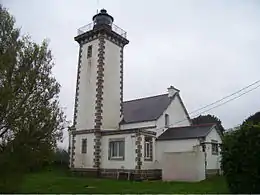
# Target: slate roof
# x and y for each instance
(145, 109)
(187, 132)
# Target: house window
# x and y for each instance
(116, 149)
(166, 120)
(214, 146)
(148, 148)
(89, 55)
(84, 146)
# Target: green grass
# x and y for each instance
(61, 182)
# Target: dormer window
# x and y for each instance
(166, 120)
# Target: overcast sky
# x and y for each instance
(207, 49)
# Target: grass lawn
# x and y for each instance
(57, 181)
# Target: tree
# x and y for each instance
(241, 159)
(254, 119)
(31, 120)
(203, 119)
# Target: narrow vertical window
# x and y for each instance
(214, 147)
(89, 55)
(203, 147)
(166, 120)
(148, 148)
(84, 146)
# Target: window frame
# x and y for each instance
(84, 146)
(116, 143)
(148, 148)
(214, 147)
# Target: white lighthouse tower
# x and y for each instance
(99, 92)
(99, 88)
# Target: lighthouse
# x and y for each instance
(99, 85)
(99, 88)
(126, 140)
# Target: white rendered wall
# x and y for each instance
(173, 146)
(84, 160)
(176, 114)
(183, 166)
(129, 160)
(139, 125)
(111, 90)
(213, 161)
(87, 88)
(111, 87)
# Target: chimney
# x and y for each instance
(172, 91)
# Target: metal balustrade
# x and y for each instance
(90, 26)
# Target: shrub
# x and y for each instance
(241, 159)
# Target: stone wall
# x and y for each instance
(127, 174)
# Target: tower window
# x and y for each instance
(166, 120)
(84, 146)
(203, 147)
(89, 55)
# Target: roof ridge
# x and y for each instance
(148, 97)
(186, 132)
(204, 124)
